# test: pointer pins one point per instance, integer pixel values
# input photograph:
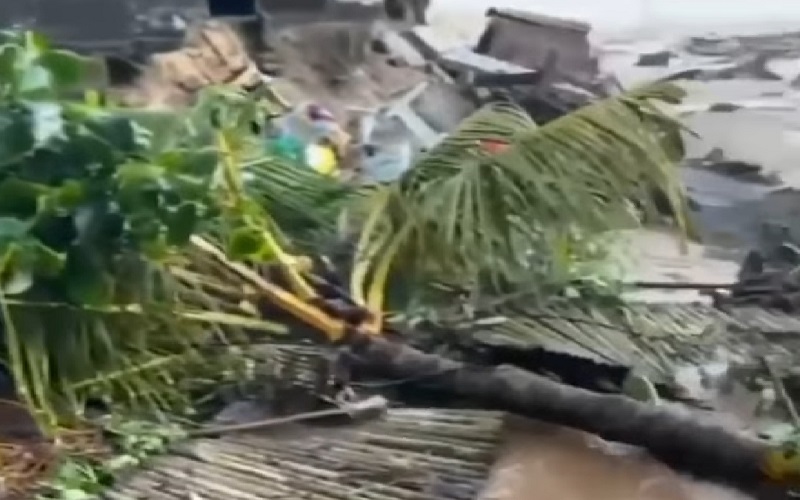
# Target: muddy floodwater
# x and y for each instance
(546, 462)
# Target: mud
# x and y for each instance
(546, 462)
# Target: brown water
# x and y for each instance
(546, 462)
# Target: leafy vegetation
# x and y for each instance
(92, 219)
(132, 442)
(127, 237)
(485, 219)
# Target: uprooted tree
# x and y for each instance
(132, 241)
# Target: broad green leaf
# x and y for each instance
(36, 43)
(146, 227)
(47, 262)
(76, 494)
(71, 473)
(8, 64)
(34, 82)
(117, 131)
(19, 198)
(69, 195)
(12, 230)
(66, 68)
(18, 280)
(136, 175)
(16, 135)
(245, 242)
(201, 163)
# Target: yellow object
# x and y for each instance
(322, 159)
(782, 464)
(332, 327)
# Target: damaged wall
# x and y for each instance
(527, 40)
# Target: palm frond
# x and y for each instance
(304, 204)
(143, 351)
(466, 209)
(301, 202)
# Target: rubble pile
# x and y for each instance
(398, 90)
(213, 54)
(394, 89)
(724, 58)
(776, 45)
(769, 277)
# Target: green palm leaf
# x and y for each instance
(463, 211)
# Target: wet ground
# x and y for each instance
(545, 462)
(759, 125)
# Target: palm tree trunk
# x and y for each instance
(709, 452)
(678, 440)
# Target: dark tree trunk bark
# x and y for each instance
(706, 451)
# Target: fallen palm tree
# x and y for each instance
(679, 440)
(436, 222)
(455, 176)
(136, 251)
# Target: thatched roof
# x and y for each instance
(417, 454)
(411, 455)
(655, 338)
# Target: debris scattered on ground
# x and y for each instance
(213, 54)
(398, 97)
(660, 58)
(769, 277)
(724, 107)
(785, 44)
(716, 161)
(407, 89)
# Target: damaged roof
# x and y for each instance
(409, 454)
(654, 338)
(539, 19)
